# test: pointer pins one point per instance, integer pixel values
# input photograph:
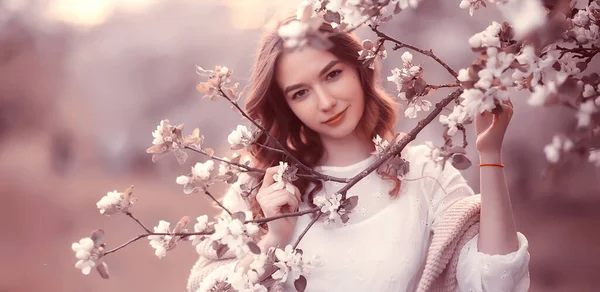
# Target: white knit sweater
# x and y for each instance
(425, 240)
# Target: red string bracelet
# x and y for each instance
(491, 164)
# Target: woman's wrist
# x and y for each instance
(490, 157)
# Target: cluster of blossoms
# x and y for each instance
(584, 25)
(115, 202)
(241, 137)
(168, 138)
(291, 263)
(88, 252)
(370, 52)
(380, 145)
(330, 206)
(161, 243)
(233, 234)
(287, 263)
(559, 145)
(284, 177)
(201, 177)
(218, 79)
(411, 86)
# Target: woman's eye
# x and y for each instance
(299, 93)
(334, 74)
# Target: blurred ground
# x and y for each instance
(80, 97)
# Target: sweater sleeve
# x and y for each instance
(209, 268)
(477, 271)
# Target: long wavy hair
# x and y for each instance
(266, 102)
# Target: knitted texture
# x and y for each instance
(458, 225)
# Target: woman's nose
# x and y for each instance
(326, 101)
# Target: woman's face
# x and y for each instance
(324, 92)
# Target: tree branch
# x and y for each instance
(217, 201)
(397, 147)
(400, 44)
(306, 229)
(294, 214)
(138, 222)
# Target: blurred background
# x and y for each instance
(83, 83)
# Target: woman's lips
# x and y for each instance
(337, 118)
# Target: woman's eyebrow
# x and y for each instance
(323, 71)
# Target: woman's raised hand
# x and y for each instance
(274, 202)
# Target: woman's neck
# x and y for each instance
(346, 151)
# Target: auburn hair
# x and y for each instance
(266, 103)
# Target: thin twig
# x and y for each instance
(399, 146)
(314, 174)
(138, 222)
(317, 216)
(400, 44)
(243, 166)
(289, 155)
(464, 132)
(443, 85)
(294, 214)
(217, 201)
(183, 234)
(271, 148)
(243, 113)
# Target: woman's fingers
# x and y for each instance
(268, 178)
(276, 200)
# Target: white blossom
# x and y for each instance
(416, 105)
(292, 264)
(158, 133)
(329, 205)
(109, 203)
(477, 102)
(182, 180)
(463, 75)
(535, 66)
(488, 37)
(114, 202)
(581, 18)
(408, 3)
(217, 79)
(242, 282)
(407, 57)
(435, 153)
(559, 144)
(584, 114)
(524, 16)
(200, 226)
(203, 170)
(258, 264)
(369, 52)
(472, 5)
(160, 243)
(239, 137)
(83, 252)
(594, 157)
(294, 33)
(458, 116)
(280, 182)
(234, 233)
(380, 145)
(588, 91)
(541, 93)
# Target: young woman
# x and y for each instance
(432, 235)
